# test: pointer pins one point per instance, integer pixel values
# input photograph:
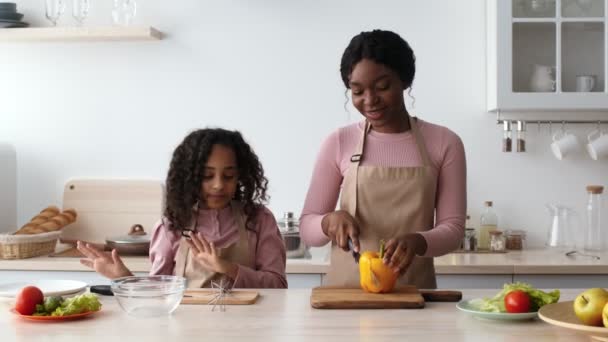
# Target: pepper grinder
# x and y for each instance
(521, 136)
(506, 136)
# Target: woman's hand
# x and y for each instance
(340, 226)
(400, 251)
(208, 256)
(107, 264)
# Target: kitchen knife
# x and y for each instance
(356, 255)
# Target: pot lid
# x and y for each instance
(136, 235)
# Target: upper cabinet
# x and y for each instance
(546, 55)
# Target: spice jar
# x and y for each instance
(469, 242)
(521, 136)
(506, 136)
(515, 239)
(497, 241)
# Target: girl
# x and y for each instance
(399, 178)
(214, 226)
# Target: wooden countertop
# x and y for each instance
(536, 261)
(286, 315)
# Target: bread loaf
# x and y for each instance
(48, 220)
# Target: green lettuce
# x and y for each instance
(56, 306)
(538, 298)
(78, 304)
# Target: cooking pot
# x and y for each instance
(136, 242)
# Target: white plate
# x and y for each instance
(466, 306)
(48, 287)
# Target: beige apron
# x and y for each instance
(238, 252)
(387, 202)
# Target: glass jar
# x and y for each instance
(290, 232)
(507, 141)
(488, 223)
(515, 239)
(497, 241)
(594, 241)
(469, 243)
(521, 136)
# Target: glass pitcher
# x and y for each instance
(564, 228)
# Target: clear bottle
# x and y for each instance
(521, 136)
(594, 238)
(489, 222)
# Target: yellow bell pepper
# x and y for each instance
(374, 275)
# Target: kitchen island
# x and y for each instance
(286, 315)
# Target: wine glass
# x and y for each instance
(124, 12)
(54, 10)
(80, 10)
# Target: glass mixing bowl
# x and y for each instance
(149, 296)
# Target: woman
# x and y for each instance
(399, 178)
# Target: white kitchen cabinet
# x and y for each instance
(528, 38)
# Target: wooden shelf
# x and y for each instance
(81, 34)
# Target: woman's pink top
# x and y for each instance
(266, 247)
(392, 150)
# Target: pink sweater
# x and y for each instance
(266, 247)
(447, 156)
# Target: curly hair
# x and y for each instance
(185, 176)
(383, 47)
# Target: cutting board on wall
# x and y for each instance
(108, 207)
(407, 297)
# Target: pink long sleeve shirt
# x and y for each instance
(266, 247)
(447, 156)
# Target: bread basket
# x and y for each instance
(27, 246)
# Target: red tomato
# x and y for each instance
(517, 301)
(27, 299)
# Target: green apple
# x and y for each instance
(589, 306)
(605, 315)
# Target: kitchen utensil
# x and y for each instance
(205, 296)
(290, 231)
(542, 79)
(562, 315)
(356, 255)
(407, 297)
(104, 290)
(465, 306)
(149, 296)
(11, 15)
(563, 232)
(48, 287)
(136, 242)
(8, 6)
(577, 253)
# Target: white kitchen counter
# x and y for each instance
(286, 315)
(537, 261)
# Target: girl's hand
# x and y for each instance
(400, 251)
(107, 264)
(208, 256)
(340, 226)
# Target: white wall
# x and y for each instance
(270, 69)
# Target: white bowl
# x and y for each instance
(149, 296)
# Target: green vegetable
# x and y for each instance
(52, 303)
(497, 303)
(78, 304)
(57, 306)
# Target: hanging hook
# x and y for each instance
(538, 126)
(599, 126)
(563, 126)
(550, 128)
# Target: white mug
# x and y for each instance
(585, 83)
(563, 144)
(597, 146)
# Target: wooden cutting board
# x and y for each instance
(108, 208)
(355, 298)
(205, 296)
